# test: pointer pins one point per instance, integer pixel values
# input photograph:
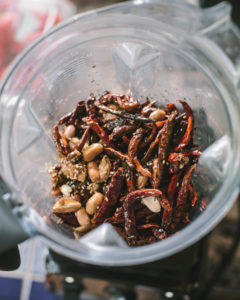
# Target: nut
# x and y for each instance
(73, 142)
(66, 190)
(66, 205)
(82, 217)
(104, 168)
(82, 228)
(93, 203)
(90, 152)
(93, 171)
(141, 181)
(152, 204)
(158, 115)
(69, 132)
(109, 116)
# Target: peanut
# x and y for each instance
(73, 142)
(90, 152)
(93, 171)
(66, 205)
(152, 204)
(141, 181)
(82, 228)
(82, 217)
(70, 131)
(158, 115)
(66, 190)
(93, 203)
(108, 116)
(104, 168)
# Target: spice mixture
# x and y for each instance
(126, 163)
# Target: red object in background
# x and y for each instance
(29, 20)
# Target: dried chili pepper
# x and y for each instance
(163, 148)
(130, 179)
(57, 137)
(186, 138)
(120, 131)
(193, 195)
(91, 108)
(159, 233)
(159, 124)
(177, 162)
(182, 196)
(78, 111)
(100, 132)
(141, 169)
(171, 107)
(151, 148)
(133, 144)
(83, 139)
(111, 197)
(129, 215)
(68, 218)
(120, 155)
(125, 115)
(150, 137)
(167, 215)
(148, 225)
(130, 104)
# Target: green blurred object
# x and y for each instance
(10, 260)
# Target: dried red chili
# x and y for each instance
(111, 197)
(163, 148)
(186, 138)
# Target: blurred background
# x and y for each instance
(38, 277)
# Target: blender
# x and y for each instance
(160, 49)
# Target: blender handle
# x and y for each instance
(221, 32)
(11, 232)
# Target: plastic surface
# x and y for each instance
(122, 53)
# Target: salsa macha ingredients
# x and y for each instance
(125, 162)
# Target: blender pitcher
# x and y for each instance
(164, 50)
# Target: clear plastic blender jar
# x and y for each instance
(157, 49)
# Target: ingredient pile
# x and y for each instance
(126, 163)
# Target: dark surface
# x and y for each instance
(235, 7)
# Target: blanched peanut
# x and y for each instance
(93, 171)
(108, 116)
(155, 167)
(70, 131)
(158, 115)
(66, 205)
(82, 228)
(90, 152)
(73, 142)
(93, 203)
(66, 190)
(82, 217)
(104, 168)
(141, 181)
(152, 204)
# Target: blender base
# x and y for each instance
(176, 277)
